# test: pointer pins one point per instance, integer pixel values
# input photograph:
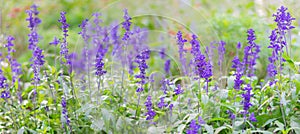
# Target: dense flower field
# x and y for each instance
(119, 83)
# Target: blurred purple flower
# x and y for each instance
(164, 85)
(180, 43)
(167, 66)
(221, 51)
(162, 53)
(126, 25)
(55, 41)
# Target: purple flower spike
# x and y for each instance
(247, 96)
(202, 68)
(194, 127)
(221, 50)
(182, 52)
(37, 53)
(278, 41)
(141, 60)
(150, 112)
(65, 113)
(167, 66)
(283, 19)
(99, 61)
(251, 53)
(126, 25)
(64, 52)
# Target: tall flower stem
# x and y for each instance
(11, 114)
(206, 87)
(280, 91)
(199, 95)
(99, 92)
(137, 106)
(34, 103)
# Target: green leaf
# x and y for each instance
(269, 121)
(261, 131)
(155, 130)
(21, 130)
(209, 129)
(295, 124)
(181, 128)
(119, 124)
(220, 129)
(97, 124)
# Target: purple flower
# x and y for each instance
(194, 127)
(55, 41)
(150, 112)
(14, 65)
(278, 41)
(251, 53)
(231, 114)
(83, 31)
(252, 117)
(167, 66)
(126, 25)
(171, 107)
(246, 99)
(239, 45)
(99, 61)
(201, 68)
(37, 56)
(115, 38)
(141, 61)
(221, 50)
(165, 83)
(64, 52)
(283, 19)
(65, 113)
(162, 53)
(178, 90)
(180, 43)
(100, 55)
(236, 64)
(5, 94)
(162, 103)
(2, 80)
(32, 19)
(200, 120)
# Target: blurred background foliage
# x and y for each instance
(211, 20)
